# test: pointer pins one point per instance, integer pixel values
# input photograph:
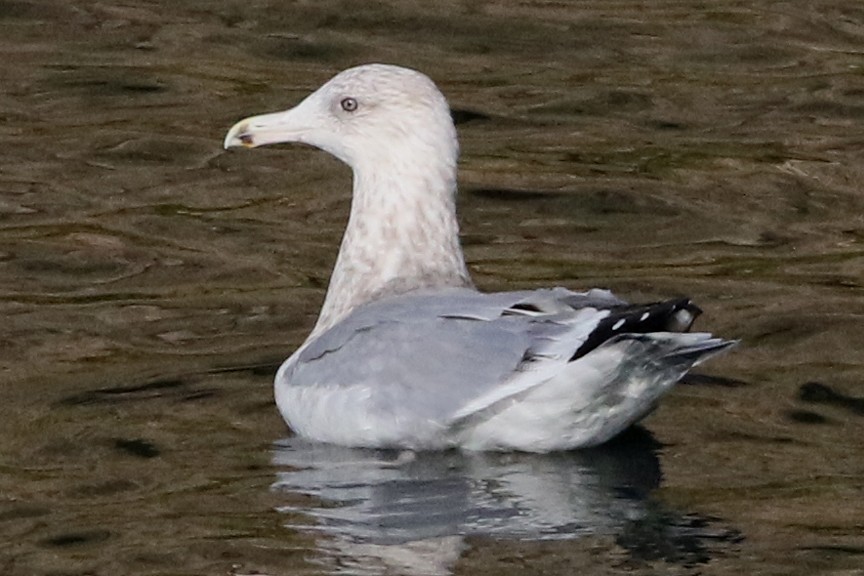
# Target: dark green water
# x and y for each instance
(150, 283)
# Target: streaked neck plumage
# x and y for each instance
(402, 234)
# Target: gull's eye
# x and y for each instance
(348, 104)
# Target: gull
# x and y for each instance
(406, 352)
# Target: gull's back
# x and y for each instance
(458, 368)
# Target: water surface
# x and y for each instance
(150, 283)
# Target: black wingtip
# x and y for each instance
(676, 315)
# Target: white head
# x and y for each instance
(364, 116)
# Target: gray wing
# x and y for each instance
(435, 353)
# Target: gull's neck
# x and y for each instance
(402, 236)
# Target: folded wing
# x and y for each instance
(438, 367)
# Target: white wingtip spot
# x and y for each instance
(644, 316)
(681, 321)
(618, 324)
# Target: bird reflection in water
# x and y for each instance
(409, 512)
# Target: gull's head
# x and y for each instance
(371, 113)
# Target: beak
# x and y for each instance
(288, 126)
